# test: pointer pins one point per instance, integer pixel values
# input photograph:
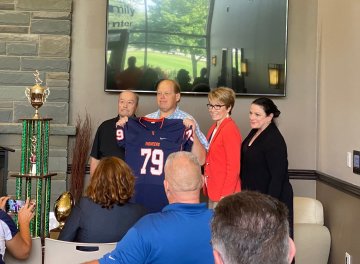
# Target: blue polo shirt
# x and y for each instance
(180, 233)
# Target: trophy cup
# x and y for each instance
(37, 94)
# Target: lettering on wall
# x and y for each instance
(120, 16)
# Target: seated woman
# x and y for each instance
(105, 214)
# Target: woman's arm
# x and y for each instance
(231, 140)
(72, 225)
(277, 164)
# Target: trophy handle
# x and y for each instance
(28, 94)
(46, 94)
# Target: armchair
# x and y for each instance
(312, 238)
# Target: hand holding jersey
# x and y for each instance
(122, 121)
(189, 123)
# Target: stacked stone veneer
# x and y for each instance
(35, 35)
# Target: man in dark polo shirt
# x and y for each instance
(105, 144)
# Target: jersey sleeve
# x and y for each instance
(120, 136)
(188, 139)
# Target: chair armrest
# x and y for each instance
(312, 243)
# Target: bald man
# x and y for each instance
(178, 234)
(105, 144)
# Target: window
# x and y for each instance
(150, 40)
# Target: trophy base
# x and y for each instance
(54, 233)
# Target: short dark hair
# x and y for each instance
(112, 183)
(251, 228)
(268, 106)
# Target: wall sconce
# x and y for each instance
(244, 67)
(274, 75)
(213, 60)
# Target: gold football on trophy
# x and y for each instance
(62, 208)
(37, 94)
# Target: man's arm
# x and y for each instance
(20, 245)
(93, 164)
(197, 149)
(130, 250)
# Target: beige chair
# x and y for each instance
(312, 238)
(59, 252)
(35, 254)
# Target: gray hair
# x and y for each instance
(251, 228)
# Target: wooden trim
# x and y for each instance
(327, 179)
(338, 184)
(302, 175)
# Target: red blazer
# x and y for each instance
(222, 165)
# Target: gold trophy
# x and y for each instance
(62, 208)
(37, 94)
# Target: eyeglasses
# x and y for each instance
(216, 107)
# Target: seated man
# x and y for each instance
(251, 228)
(178, 234)
(18, 242)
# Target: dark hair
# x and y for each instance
(203, 72)
(250, 227)
(132, 61)
(112, 183)
(268, 106)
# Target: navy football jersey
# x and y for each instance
(148, 142)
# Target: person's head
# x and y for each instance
(112, 182)
(262, 113)
(127, 103)
(221, 102)
(168, 95)
(251, 228)
(203, 72)
(131, 62)
(183, 76)
(183, 179)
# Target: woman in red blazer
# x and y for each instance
(222, 165)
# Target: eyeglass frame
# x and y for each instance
(216, 107)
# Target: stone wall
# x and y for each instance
(35, 35)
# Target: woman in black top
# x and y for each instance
(104, 215)
(264, 164)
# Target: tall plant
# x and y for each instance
(80, 154)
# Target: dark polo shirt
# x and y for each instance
(105, 144)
